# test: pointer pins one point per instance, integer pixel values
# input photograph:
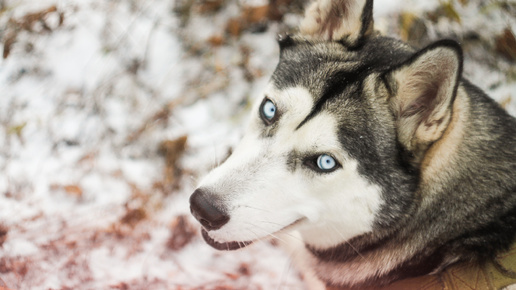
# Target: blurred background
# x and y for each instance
(112, 111)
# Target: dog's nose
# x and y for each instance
(211, 217)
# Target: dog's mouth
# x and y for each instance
(231, 246)
(228, 246)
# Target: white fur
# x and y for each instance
(263, 196)
(293, 244)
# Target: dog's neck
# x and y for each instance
(368, 261)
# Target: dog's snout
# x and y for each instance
(206, 212)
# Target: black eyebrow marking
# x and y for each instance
(335, 85)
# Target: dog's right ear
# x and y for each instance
(347, 21)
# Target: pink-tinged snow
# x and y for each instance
(79, 141)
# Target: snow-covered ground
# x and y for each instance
(93, 92)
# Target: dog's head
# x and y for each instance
(334, 145)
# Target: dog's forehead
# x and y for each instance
(313, 64)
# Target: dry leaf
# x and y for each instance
(244, 269)
(17, 130)
(504, 103)
(450, 12)
(278, 8)
(181, 233)
(73, 190)
(232, 276)
(216, 40)
(209, 6)
(172, 150)
(133, 216)
(252, 15)
(413, 29)
(506, 44)
(10, 39)
(27, 23)
(406, 20)
(234, 27)
(3, 234)
(120, 286)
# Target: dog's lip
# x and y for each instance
(231, 246)
(228, 246)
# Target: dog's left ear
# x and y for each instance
(347, 21)
(423, 90)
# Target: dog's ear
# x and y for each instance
(423, 90)
(348, 21)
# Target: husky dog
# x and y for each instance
(382, 161)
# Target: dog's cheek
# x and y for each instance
(349, 205)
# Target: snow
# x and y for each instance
(84, 108)
(383, 8)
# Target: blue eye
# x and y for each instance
(326, 162)
(269, 109)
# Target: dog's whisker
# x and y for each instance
(288, 266)
(267, 233)
(348, 243)
(193, 178)
(258, 238)
(253, 233)
(256, 208)
(284, 274)
(283, 233)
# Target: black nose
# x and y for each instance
(203, 209)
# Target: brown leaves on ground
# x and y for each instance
(17, 130)
(274, 10)
(133, 216)
(506, 44)
(253, 18)
(18, 266)
(504, 103)
(278, 8)
(31, 22)
(3, 234)
(173, 150)
(160, 117)
(412, 28)
(72, 190)
(143, 283)
(181, 233)
(209, 6)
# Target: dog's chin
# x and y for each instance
(231, 246)
(228, 246)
